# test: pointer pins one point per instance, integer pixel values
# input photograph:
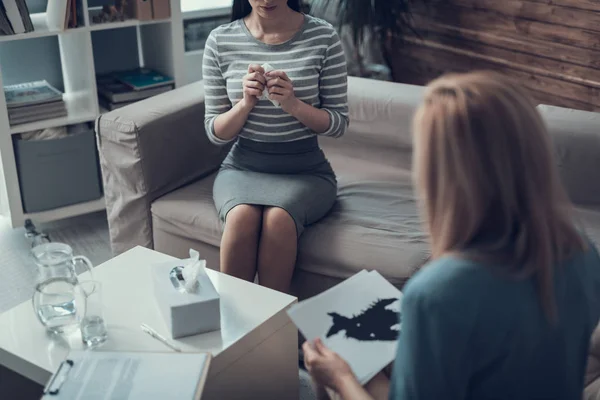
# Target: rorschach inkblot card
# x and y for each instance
(358, 318)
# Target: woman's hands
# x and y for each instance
(279, 85)
(281, 89)
(326, 367)
(253, 85)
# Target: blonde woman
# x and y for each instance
(507, 305)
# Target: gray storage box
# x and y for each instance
(186, 314)
(57, 173)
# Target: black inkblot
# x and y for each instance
(373, 324)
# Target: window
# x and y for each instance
(197, 5)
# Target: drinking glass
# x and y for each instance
(93, 326)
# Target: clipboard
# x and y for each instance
(129, 375)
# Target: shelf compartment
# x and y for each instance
(41, 29)
(58, 172)
(65, 62)
(115, 50)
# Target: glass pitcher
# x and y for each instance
(55, 299)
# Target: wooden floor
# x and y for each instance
(551, 46)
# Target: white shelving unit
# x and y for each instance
(70, 60)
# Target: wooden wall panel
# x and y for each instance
(552, 46)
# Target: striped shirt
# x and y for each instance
(314, 61)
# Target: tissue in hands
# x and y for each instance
(192, 271)
(268, 68)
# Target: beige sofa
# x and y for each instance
(158, 169)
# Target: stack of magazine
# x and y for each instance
(33, 101)
(359, 319)
(14, 17)
(122, 88)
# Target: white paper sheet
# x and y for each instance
(369, 348)
(97, 375)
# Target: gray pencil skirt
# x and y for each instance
(294, 176)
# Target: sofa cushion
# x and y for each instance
(190, 212)
(576, 138)
(373, 225)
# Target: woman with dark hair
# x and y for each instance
(274, 80)
(242, 8)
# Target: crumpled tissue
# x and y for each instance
(268, 68)
(192, 270)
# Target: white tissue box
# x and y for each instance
(185, 313)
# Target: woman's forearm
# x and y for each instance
(313, 118)
(229, 124)
(351, 389)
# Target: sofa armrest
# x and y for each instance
(146, 150)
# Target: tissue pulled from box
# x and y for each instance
(268, 68)
(192, 270)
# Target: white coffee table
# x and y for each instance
(255, 352)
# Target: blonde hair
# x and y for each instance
(485, 174)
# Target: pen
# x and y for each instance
(158, 337)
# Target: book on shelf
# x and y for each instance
(14, 17)
(25, 15)
(359, 319)
(161, 9)
(115, 91)
(33, 101)
(57, 107)
(143, 78)
(38, 116)
(5, 27)
(110, 106)
(30, 93)
(62, 14)
(73, 14)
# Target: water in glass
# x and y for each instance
(56, 306)
(93, 326)
(93, 330)
(54, 299)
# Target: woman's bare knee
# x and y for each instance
(244, 219)
(277, 221)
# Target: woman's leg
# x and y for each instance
(239, 245)
(277, 249)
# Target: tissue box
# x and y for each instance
(186, 314)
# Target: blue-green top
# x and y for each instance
(469, 332)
